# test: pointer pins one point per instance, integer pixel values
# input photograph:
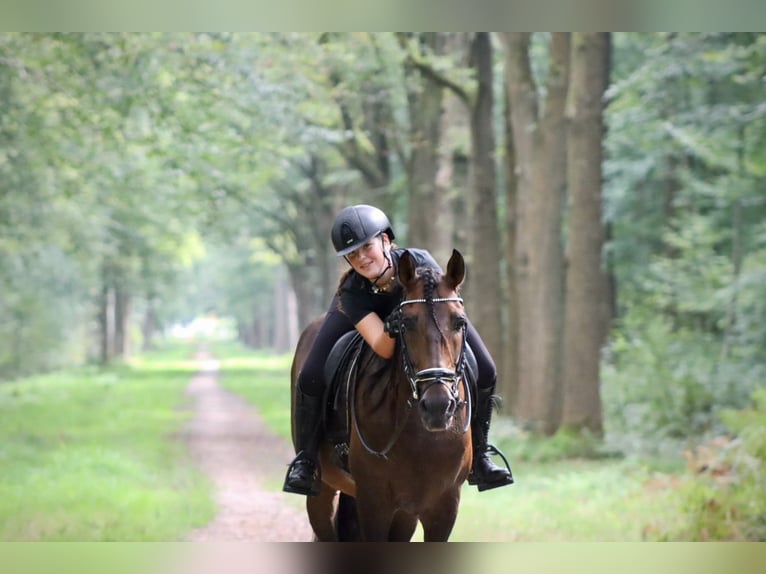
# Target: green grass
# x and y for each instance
(89, 454)
(574, 499)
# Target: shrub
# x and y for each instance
(723, 495)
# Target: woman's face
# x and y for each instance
(369, 259)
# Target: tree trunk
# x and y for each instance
(428, 201)
(122, 312)
(484, 279)
(539, 140)
(508, 385)
(285, 331)
(149, 325)
(106, 324)
(586, 289)
(300, 280)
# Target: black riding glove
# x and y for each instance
(392, 324)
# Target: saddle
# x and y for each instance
(339, 370)
(339, 373)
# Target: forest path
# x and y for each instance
(239, 453)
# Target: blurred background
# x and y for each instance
(606, 189)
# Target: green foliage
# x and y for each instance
(660, 385)
(685, 204)
(565, 444)
(722, 498)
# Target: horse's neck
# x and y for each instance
(383, 377)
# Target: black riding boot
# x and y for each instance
(486, 474)
(303, 475)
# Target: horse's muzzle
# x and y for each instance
(438, 404)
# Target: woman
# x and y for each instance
(368, 293)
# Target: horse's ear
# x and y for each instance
(406, 269)
(455, 270)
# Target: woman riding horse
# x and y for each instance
(368, 293)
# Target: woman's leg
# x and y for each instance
(303, 476)
(484, 473)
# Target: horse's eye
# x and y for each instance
(458, 323)
(409, 322)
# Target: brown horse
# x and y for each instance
(409, 448)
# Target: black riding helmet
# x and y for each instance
(356, 225)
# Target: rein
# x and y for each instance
(428, 377)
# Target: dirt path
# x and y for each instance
(239, 453)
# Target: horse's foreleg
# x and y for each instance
(375, 515)
(321, 511)
(402, 527)
(439, 520)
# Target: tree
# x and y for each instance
(539, 141)
(483, 288)
(586, 316)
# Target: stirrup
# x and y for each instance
(508, 479)
(492, 449)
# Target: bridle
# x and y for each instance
(428, 377)
(434, 375)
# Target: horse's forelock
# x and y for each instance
(430, 278)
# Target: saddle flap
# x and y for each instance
(339, 355)
(336, 366)
(471, 372)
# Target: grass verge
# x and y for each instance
(86, 456)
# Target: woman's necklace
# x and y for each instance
(385, 287)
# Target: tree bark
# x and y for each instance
(149, 324)
(508, 386)
(586, 287)
(122, 313)
(482, 287)
(427, 198)
(539, 140)
(106, 323)
(485, 303)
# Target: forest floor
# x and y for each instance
(240, 455)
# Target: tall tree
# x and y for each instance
(509, 386)
(586, 286)
(476, 94)
(485, 246)
(428, 196)
(539, 140)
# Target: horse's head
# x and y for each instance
(432, 338)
